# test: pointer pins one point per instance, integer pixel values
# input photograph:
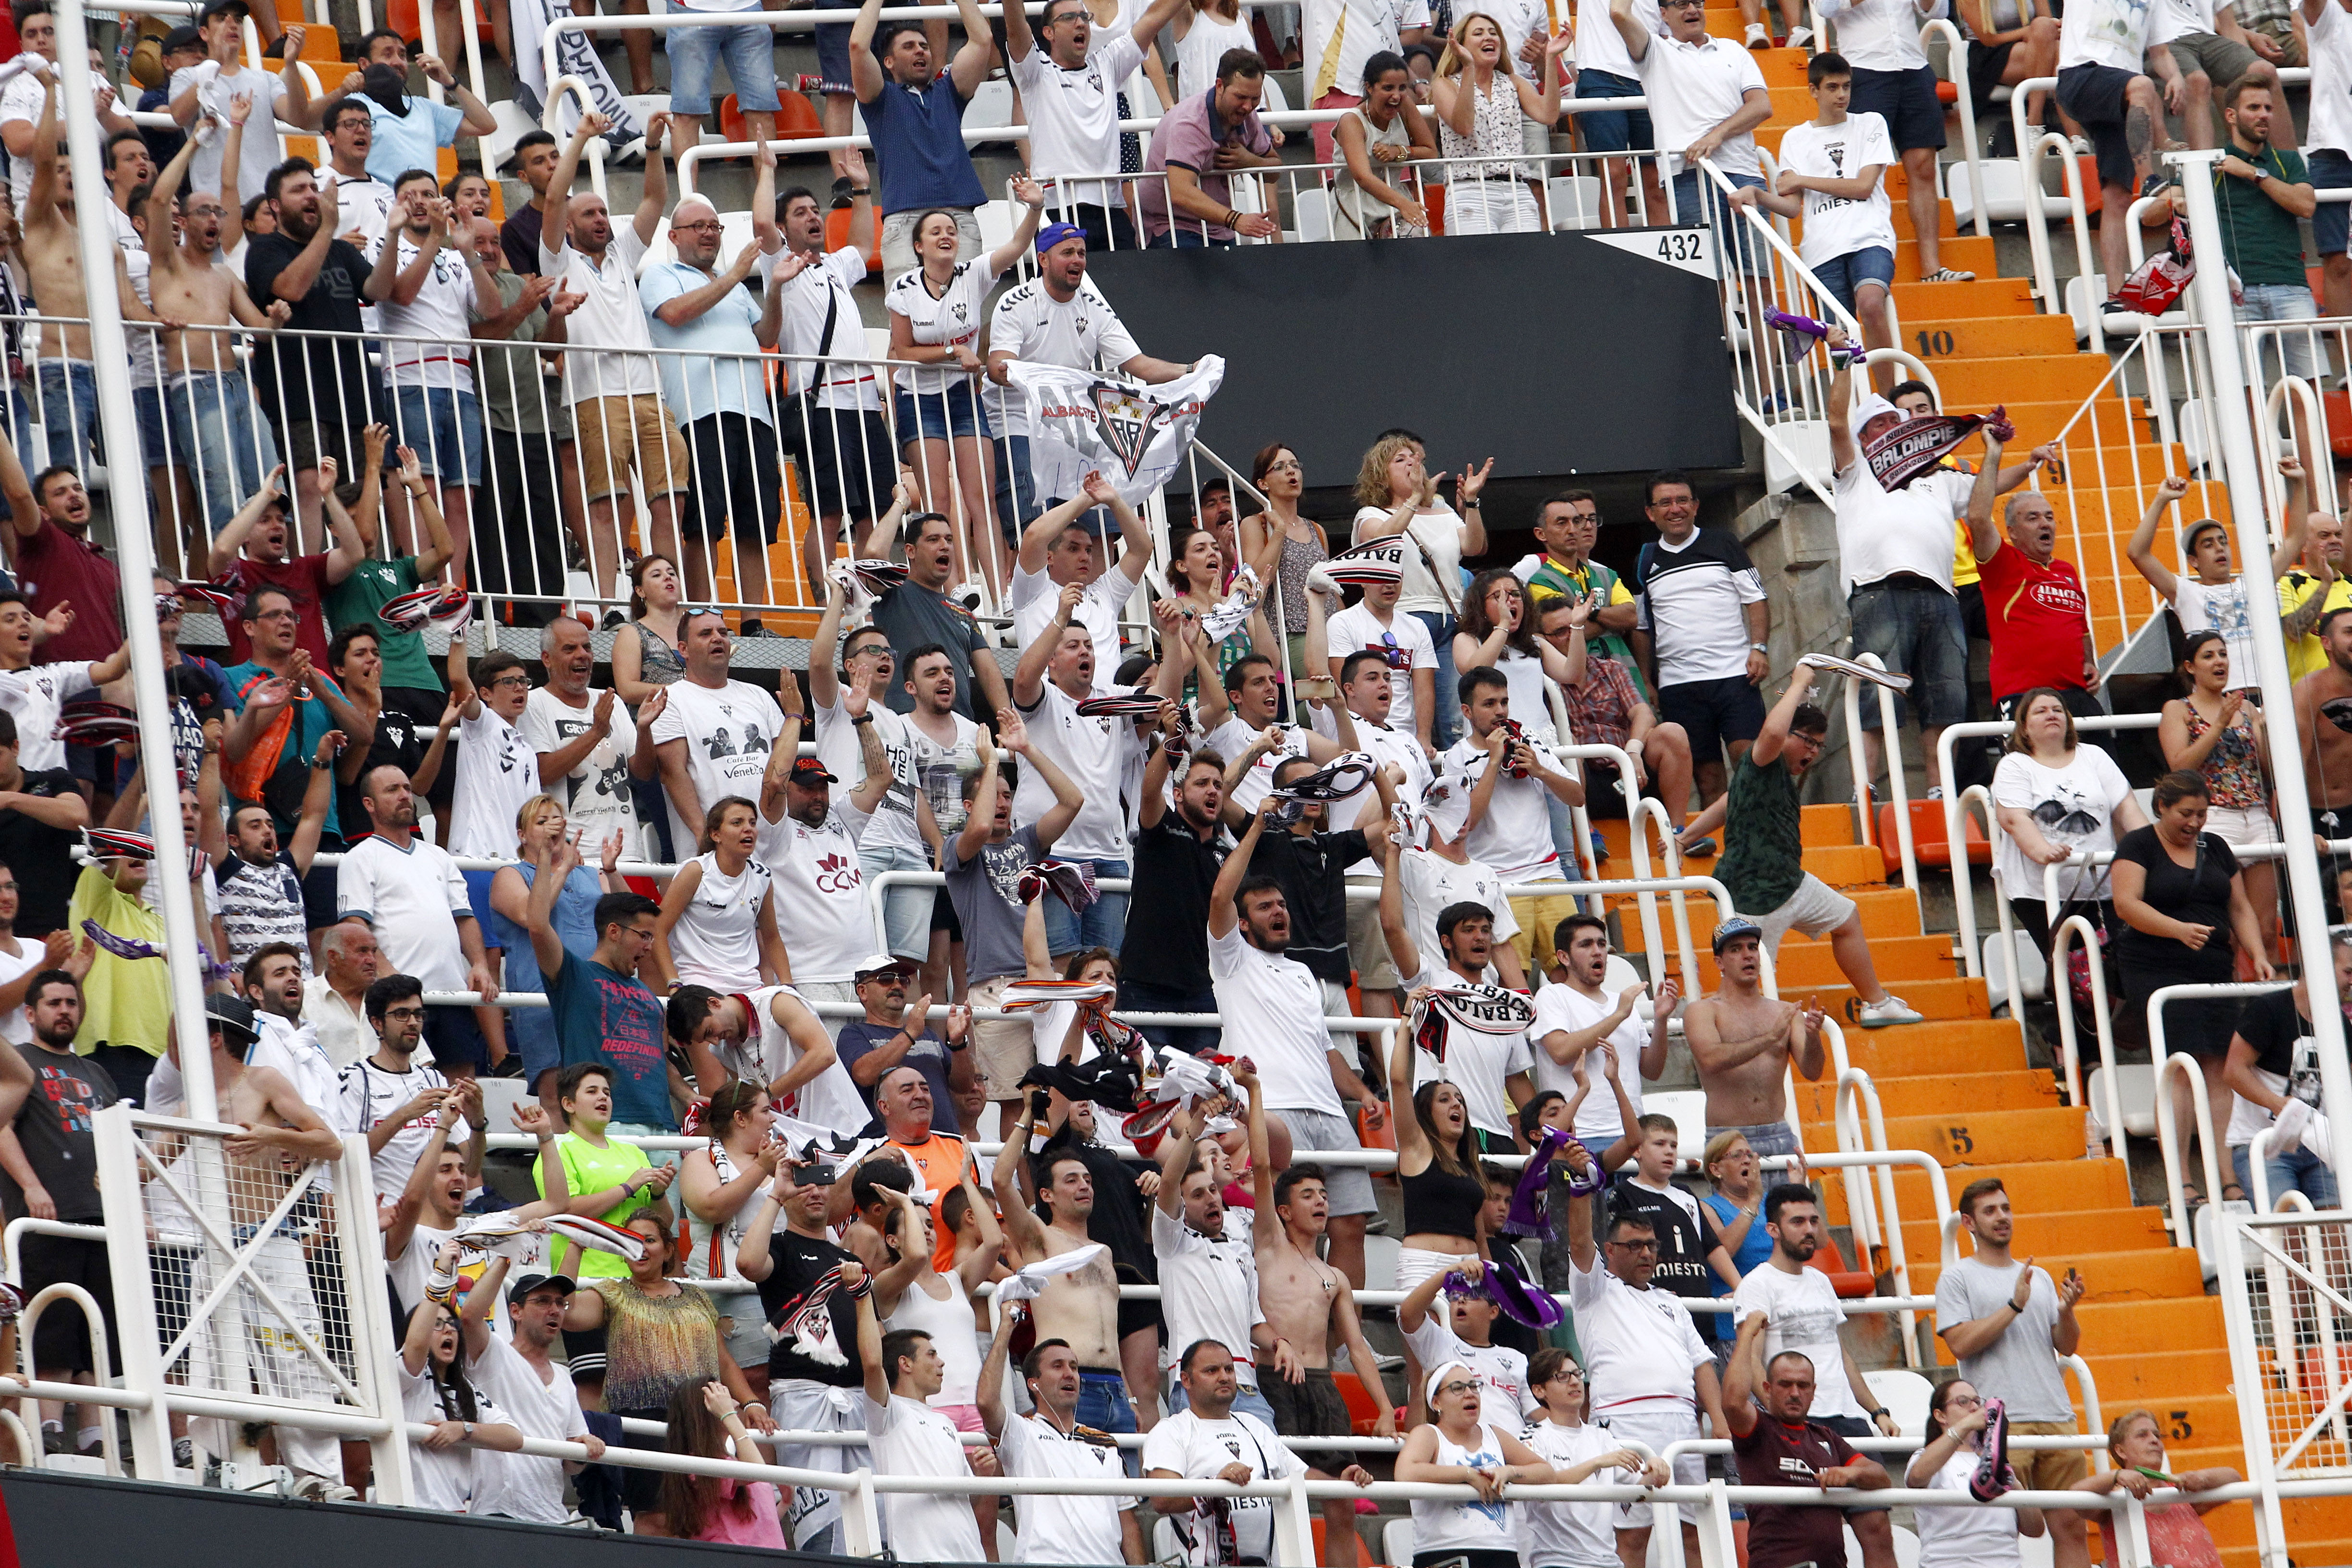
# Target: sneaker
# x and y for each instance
(1600, 848)
(1993, 1476)
(1801, 38)
(1894, 1010)
(2003, 142)
(1934, 792)
(1758, 36)
(1949, 274)
(319, 1489)
(968, 594)
(53, 1440)
(752, 628)
(615, 619)
(1699, 849)
(183, 1454)
(2080, 145)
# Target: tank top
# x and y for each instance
(1530, 701)
(658, 664)
(710, 1253)
(1436, 1204)
(950, 1324)
(1203, 44)
(1494, 117)
(1299, 556)
(1442, 1526)
(1361, 214)
(2232, 769)
(655, 1344)
(716, 942)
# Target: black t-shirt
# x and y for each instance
(1312, 869)
(2199, 894)
(800, 1262)
(519, 238)
(397, 744)
(1686, 1238)
(1168, 928)
(327, 379)
(1778, 1454)
(54, 1126)
(41, 856)
(2272, 1024)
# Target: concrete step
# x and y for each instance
(1905, 1096)
(1981, 383)
(2140, 1379)
(1985, 297)
(2035, 1186)
(1808, 961)
(1966, 1137)
(1965, 253)
(1952, 339)
(2147, 1274)
(2063, 1234)
(1885, 912)
(1951, 1049)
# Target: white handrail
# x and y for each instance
(2168, 1135)
(2060, 942)
(2054, 299)
(1891, 746)
(1956, 72)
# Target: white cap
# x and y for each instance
(1869, 408)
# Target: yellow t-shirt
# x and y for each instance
(125, 1001)
(2304, 654)
(1964, 558)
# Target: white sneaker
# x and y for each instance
(968, 594)
(1799, 38)
(1894, 1010)
(1757, 39)
(1934, 792)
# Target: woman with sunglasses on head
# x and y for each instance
(1463, 1445)
(1397, 495)
(1951, 1535)
(1481, 102)
(1574, 1534)
(2213, 731)
(1280, 546)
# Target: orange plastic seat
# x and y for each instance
(1851, 1283)
(796, 117)
(1947, 92)
(1928, 843)
(1363, 1409)
(730, 120)
(2337, 408)
(401, 17)
(836, 236)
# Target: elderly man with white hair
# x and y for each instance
(334, 999)
(588, 746)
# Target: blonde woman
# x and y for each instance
(1396, 494)
(1481, 100)
(540, 826)
(717, 922)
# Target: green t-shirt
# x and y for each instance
(2260, 238)
(1764, 840)
(1552, 581)
(588, 1169)
(356, 600)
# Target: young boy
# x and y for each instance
(1832, 174)
(1691, 1256)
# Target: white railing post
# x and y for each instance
(2248, 1381)
(1294, 1525)
(136, 1325)
(861, 1516)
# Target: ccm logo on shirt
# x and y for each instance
(836, 874)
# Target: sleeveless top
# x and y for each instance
(574, 920)
(655, 1344)
(1494, 117)
(1436, 1204)
(1203, 44)
(1442, 1526)
(716, 942)
(950, 1324)
(711, 1243)
(2232, 771)
(1361, 214)
(658, 664)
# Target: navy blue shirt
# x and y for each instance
(919, 148)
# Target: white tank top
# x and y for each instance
(1530, 706)
(1203, 44)
(1440, 1526)
(711, 1254)
(716, 942)
(950, 1324)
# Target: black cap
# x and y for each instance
(810, 771)
(524, 1284)
(236, 8)
(180, 38)
(234, 1014)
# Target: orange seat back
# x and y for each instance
(836, 236)
(1927, 845)
(797, 117)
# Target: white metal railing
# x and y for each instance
(2169, 1135)
(2290, 1383)
(1898, 785)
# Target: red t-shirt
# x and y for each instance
(2037, 615)
(1776, 1453)
(53, 566)
(305, 577)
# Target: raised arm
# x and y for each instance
(1223, 916)
(2141, 549)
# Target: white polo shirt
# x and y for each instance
(411, 898)
(1074, 117)
(1208, 1287)
(1692, 88)
(1092, 754)
(1082, 332)
(1057, 1527)
(611, 313)
(1880, 35)
(1639, 1345)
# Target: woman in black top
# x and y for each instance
(1438, 1167)
(2180, 899)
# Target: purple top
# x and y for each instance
(1188, 137)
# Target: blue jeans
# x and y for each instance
(1183, 237)
(1916, 631)
(1103, 1405)
(2284, 302)
(444, 425)
(1446, 724)
(1103, 924)
(750, 54)
(68, 412)
(906, 910)
(1563, 835)
(2295, 1170)
(1142, 996)
(1742, 252)
(227, 449)
(1843, 276)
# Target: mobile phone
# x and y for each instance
(816, 1176)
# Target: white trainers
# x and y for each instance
(1801, 38)
(1894, 1010)
(1757, 39)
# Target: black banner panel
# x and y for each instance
(1555, 354)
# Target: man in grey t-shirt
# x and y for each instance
(983, 863)
(2007, 1323)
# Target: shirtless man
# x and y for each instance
(1742, 1042)
(1309, 1305)
(2323, 727)
(53, 259)
(1080, 1307)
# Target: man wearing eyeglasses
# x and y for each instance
(1568, 528)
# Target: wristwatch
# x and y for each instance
(1760, 646)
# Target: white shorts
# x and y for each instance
(1413, 1266)
(1814, 909)
(799, 1406)
(1655, 1425)
(2239, 827)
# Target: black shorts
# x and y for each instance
(319, 890)
(851, 466)
(1987, 63)
(424, 705)
(2097, 97)
(642, 1488)
(1714, 713)
(1907, 101)
(456, 1039)
(943, 917)
(1314, 1408)
(738, 476)
(1972, 615)
(1137, 1317)
(61, 1340)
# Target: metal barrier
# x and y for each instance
(1891, 748)
(2291, 1385)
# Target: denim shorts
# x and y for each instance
(1907, 101)
(1842, 276)
(152, 446)
(1916, 630)
(444, 426)
(1614, 133)
(2331, 223)
(936, 416)
(2286, 302)
(1742, 251)
(750, 54)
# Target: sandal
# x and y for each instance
(2232, 1193)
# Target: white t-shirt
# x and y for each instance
(1074, 117)
(1476, 1063)
(810, 296)
(427, 340)
(1569, 1534)
(20, 100)
(1801, 1314)
(517, 1486)
(730, 732)
(1639, 1344)
(413, 899)
(1339, 36)
(1036, 598)
(31, 696)
(2104, 33)
(2074, 807)
(1092, 755)
(16, 1024)
(944, 768)
(715, 940)
(1881, 533)
(1880, 35)
(1233, 737)
(1966, 1534)
(257, 151)
(362, 202)
(2330, 38)
(1439, 533)
(1082, 332)
(909, 1439)
(1197, 1450)
(1503, 1370)
(444, 1478)
(1055, 1527)
(1208, 1287)
(954, 316)
(610, 313)
(821, 909)
(830, 1099)
(1692, 602)
(2221, 606)
(1432, 882)
(1564, 1008)
(1514, 835)
(1599, 47)
(596, 794)
(496, 773)
(1276, 1004)
(1358, 627)
(370, 1094)
(2170, 19)
(1835, 226)
(1692, 88)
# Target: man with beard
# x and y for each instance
(260, 886)
(523, 555)
(410, 893)
(57, 563)
(411, 131)
(1784, 1444)
(1742, 1042)
(604, 1013)
(1801, 1314)
(913, 112)
(1574, 1017)
(271, 979)
(209, 400)
(852, 466)
(1491, 1070)
(916, 613)
(285, 709)
(1079, 1307)
(257, 549)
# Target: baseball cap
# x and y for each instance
(1053, 233)
(234, 1014)
(1869, 407)
(524, 1284)
(180, 38)
(882, 964)
(1737, 926)
(236, 8)
(2189, 539)
(808, 771)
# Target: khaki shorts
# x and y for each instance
(2223, 60)
(2048, 1470)
(1538, 918)
(1001, 1049)
(1368, 948)
(1815, 909)
(618, 434)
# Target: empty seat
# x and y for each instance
(1396, 1540)
(2134, 1095)
(1311, 210)
(1906, 1395)
(990, 107)
(836, 236)
(997, 221)
(796, 118)
(513, 125)
(1687, 1108)
(1380, 1256)
(1576, 201)
(2032, 972)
